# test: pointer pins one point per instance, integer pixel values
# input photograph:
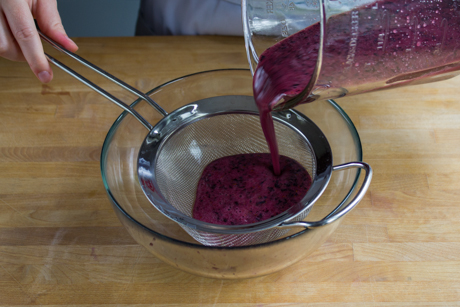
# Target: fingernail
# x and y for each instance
(73, 42)
(44, 76)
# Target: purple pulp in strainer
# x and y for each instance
(243, 189)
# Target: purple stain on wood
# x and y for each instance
(93, 253)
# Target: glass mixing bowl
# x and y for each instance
(165, 239)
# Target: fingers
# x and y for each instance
(9, 48)
(49, 21)
(19, 39)
(22, 27)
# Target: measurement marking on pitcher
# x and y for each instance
(439, 46)
(354, 38)
(288, 5)
(383, 37)
(284, 29)
(414, 26)
(269, 6)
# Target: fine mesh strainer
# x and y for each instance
(178, 147)
(175, 153)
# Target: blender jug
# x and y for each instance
(325, 49)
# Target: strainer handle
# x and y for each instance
(105, 74)
(333, 216)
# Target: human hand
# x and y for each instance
(19, 39)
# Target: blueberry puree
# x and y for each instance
(383, 44)
(242, 189)
(283, 70)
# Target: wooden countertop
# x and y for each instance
(61, 243)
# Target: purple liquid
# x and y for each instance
(376, 46)
(384, 44)
(242, 189)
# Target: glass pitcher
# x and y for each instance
(347, 47)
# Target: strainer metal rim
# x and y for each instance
(234, 104)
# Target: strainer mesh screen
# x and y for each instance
(186, 153)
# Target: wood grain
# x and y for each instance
(62, 245)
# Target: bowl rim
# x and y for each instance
(159, 235)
